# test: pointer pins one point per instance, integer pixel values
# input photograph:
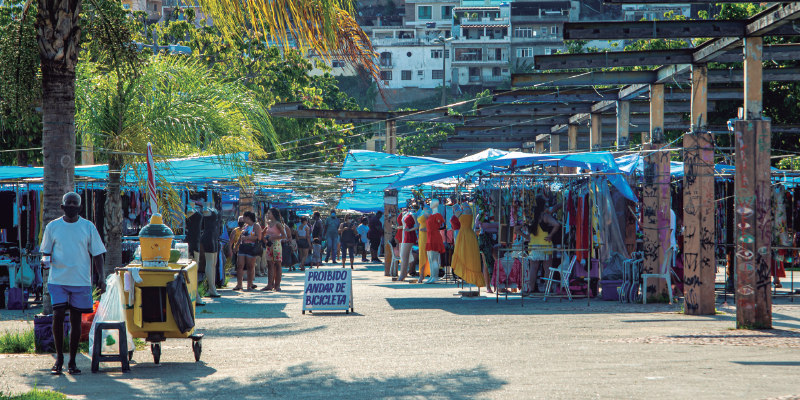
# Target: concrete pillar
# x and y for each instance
(539, 147)
(623, 124)
(391, 137)
(555, 143)
(699, 120)
(572, 134)
(390, 211)
(596, 134)
(699, 212)
(656, 196)
(753, 223)
(753, 102)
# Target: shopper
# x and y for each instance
(274, 233)
(248, 251)
(236, 233)
(363, 243)
(303, 244)
(316, 254)
(67, 245)
(348, 236)
(316, 227)
(375, 235)
(331, 232)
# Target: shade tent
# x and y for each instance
(364, 164)
(594, 161)
(182, 170)
(372, 172)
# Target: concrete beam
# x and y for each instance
(623, 124)
(699, 119)
(616, 59)
(678, 73)
(753, 102)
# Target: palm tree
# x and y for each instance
(176, 103)
(325, 26)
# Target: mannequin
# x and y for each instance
(210, 242)
(424, 265)
(194, 221)
(409, 237)
(455, 223)
(435, 245)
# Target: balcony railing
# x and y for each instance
(401, 41)
(478, 58)
(493, 79)
(482, 38)
(483, 21)
(387, 64)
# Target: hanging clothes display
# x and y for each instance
(780, 233)
(466, 262)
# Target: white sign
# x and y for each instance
(328, 289)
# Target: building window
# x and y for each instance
(126, 6)
(386, 75)
(425, 12)
(523, 32)
(379, 145)
(525, 52)
(505, 70)
(547, 51)
(447, 54)
(420, 72)
(496, 71)
(544, 31)
(437, 74)
(337, 64)
(436, 54)
(447, 12)
(554, 30)
(405, 75)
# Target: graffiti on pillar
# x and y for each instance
(657, 136)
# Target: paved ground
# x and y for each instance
(420, 341)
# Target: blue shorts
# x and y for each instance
(76, 298)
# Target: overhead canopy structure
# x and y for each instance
(595, 161)
(222, 168)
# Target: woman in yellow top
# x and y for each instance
(424, 266)
(466, 260)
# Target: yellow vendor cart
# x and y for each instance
(148, 312)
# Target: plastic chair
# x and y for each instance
(565, 270)
(664, 273)
(123, 356)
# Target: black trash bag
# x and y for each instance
(180, 303)
(613, 268)
(43, 333)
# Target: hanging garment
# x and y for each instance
(466, 260)
(507, 270)
(8, 200)
(582, 229)
(780, 234)
(424, 266)
(435, 240)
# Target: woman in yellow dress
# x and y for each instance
(466, 260)
(424, 267)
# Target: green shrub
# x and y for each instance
(35, 394)
(17, 342)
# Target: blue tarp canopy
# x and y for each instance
(595, 161)
(372, 172)
(629, 163)
(182, 170)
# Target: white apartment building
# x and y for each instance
(538, 28)
(482, 44)
(408, 55)
(651, 12)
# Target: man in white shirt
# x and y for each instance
(67, 245)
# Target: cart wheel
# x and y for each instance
(304, 312)
(197, 348)
(347, 311)
(155, 348)
(130, 355)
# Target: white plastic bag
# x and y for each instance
(110, 309)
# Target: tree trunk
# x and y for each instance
(113, 217)
(58, 36)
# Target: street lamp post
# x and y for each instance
(444, 41)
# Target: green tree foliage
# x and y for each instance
(20, 86)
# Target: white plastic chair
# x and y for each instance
(664, 273)
(565, 270)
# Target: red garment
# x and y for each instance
(435, 243)
(582, 228)
(398, 237)
(514, 276)
(409, 236)
(778, 269)
(455, 223)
